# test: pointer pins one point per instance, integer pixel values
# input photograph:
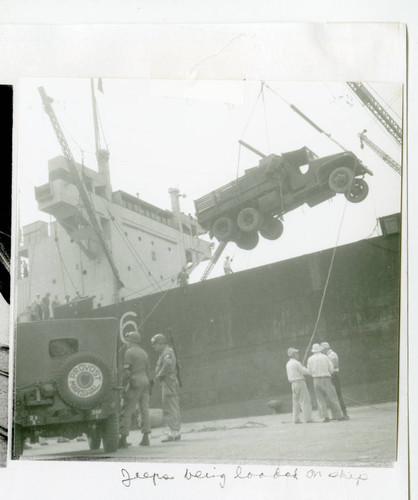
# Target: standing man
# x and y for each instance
(45, 306)
(37, 307)
(321, 369)
(183, 277)
(300, 395)
(335, 375)
(227, 265)
(166, 374)
(137, 373)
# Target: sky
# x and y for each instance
(185, 134)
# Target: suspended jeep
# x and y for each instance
(254, 203)
(66, 381)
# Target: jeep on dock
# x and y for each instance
(67, 382)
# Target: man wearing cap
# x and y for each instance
(137, 372)
(166, 374)
(321, 369)
(301, 399)
(333, 356)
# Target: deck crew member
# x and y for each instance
(137, 371)
(37, 307)
(227, 265)
(166, 374)
(321, 369)
(333, 356)
(301, 399)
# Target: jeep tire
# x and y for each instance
(249, 220)
(224, 229)
(95, 439)
(340, 179)
(84, 381)
(111, 433)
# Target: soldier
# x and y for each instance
(300, 395)
(139, 384)
(166, 374)
(333, 356)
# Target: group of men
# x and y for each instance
(139, 382)
(323, 367)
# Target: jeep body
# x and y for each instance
(66, 381)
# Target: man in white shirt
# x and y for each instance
(333, 356)
(321, 369)
(227, 265)
(301, 399)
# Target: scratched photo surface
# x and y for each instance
(238, 220)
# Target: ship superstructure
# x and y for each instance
(149, 245)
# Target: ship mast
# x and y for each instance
(75, 177)
(102, 154)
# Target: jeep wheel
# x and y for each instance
(340, 179)
(247, 241)
(84, 381)
(358, 192)
(95, 439)
(111, 434)
(223, 229)
(249, 219)
(18, 441)
(272, 230)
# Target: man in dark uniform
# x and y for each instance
(137, 373)
(166, 374)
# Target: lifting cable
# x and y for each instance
(328, 276)
(260, 93)
(139, 291)
(265, 117)
(155, 307)
(62, 263)
(132, 250)
(306, 118)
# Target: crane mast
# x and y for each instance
(374, 106)
(79, 184)
(374, 147)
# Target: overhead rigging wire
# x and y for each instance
(63, 266)
(306, 118)
(328, 275)
(247, 124)
(132, 250)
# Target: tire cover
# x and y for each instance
(84, 381)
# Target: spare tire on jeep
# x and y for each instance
(84, 381)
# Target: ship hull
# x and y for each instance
(232, 333)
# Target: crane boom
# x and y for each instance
(377, 110)
(214, 260)
(79, 184)
(374, 147)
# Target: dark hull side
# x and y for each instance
(232, 333)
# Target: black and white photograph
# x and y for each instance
(209, 260)
(208, 270)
